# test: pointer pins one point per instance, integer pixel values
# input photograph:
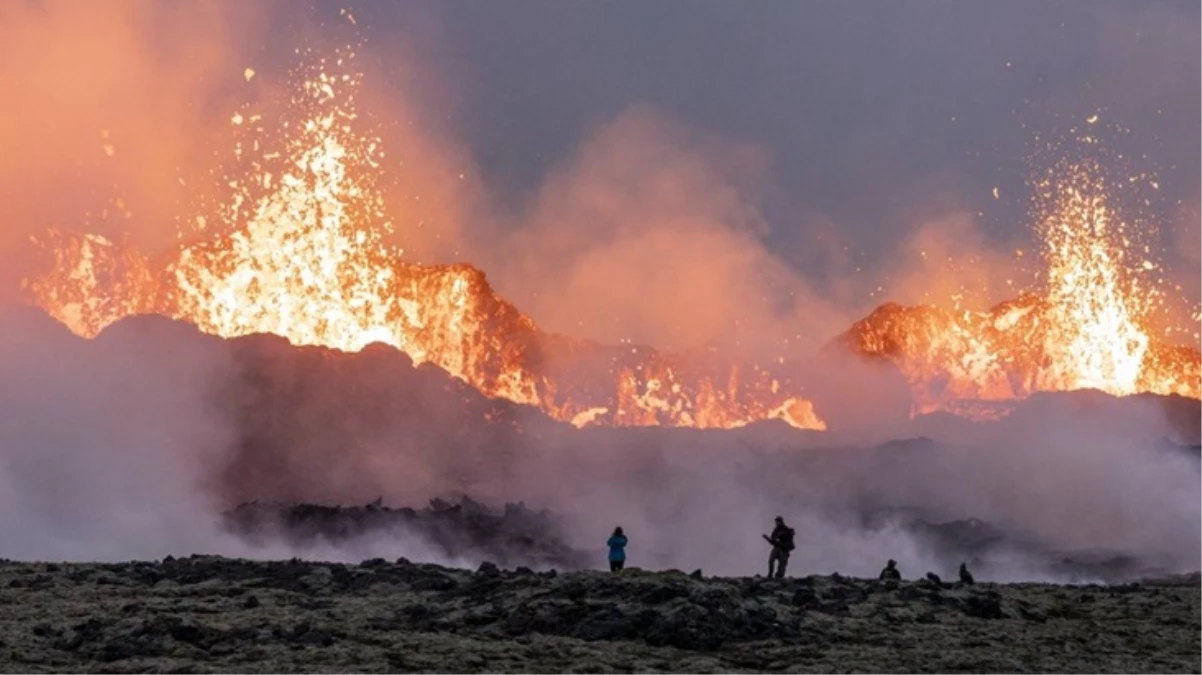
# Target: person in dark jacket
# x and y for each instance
(965, 575)
(782, 544)
(617, 550)
(890, 573)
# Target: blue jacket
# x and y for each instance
(617, 548)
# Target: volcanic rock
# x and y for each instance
(597, 621)
(464, 529)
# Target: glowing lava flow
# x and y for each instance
(1086, 330)
(303, 257)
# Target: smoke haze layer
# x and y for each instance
(131, 445)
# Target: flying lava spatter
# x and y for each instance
(1086, 328)
(304, 258)
(302, 254)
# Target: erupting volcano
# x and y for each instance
(300, 252)
(304, 258)
(1086, 329)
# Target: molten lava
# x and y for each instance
(305, 259)
(1086, 330)
(302, 254)
(1096, 307)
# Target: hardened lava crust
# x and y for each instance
(204, 613)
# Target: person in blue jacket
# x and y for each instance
(617, 550)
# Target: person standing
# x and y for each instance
(782, 544)
(617, 550)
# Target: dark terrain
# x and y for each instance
(213, 614)
(511, 536)
(515, 535)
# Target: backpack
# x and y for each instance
(786, 539)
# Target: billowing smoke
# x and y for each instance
(703, 503)
(950, 258)
(102, 447)
(119, 448)
(133, 444)
(654, 233)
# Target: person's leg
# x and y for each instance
(613, 565)
(621, 564)
(781, 564)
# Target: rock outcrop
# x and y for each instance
(513, 535)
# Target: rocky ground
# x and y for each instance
(215, 614)
(510, 536)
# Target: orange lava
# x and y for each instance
(300, 252)
(304, 258)
(1087, 328)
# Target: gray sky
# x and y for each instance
(873, 112)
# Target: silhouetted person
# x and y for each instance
(782, 543)
(617, 550)
(965, 575)
(890, 572)
(934, 579)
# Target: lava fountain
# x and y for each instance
(1086, 328)
(303, 256)
(1096, 309)
(300, 251)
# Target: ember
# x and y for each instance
(303, 255)
(305, 260)
(1086, 329)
